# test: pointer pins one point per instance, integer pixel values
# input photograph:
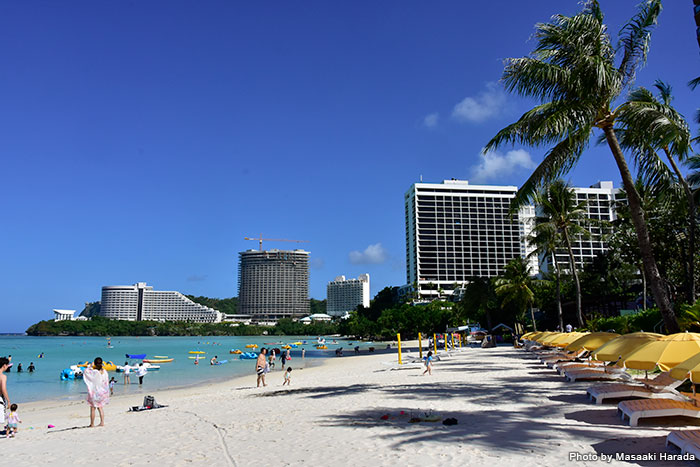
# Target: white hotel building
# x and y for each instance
(140, 302)
(455, 231)
(344, 295)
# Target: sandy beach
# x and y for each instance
(510, 409)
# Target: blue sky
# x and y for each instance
(141, 141)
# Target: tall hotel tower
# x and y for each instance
(273, 284)
(344, 295)
(455, 231)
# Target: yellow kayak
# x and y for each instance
(197, 351)
(251, 346)
(158, 360)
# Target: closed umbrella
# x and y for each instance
(527, 335)
(620, 347)
(667, 352)
(545, 339)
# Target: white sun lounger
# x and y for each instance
(563, 367)
(602, 373)
(661, 387)
(649, 408)
(688, 441)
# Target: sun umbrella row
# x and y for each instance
(678, 353)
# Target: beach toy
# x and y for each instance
(52, 426)
(251, 346)
(159, 360)
(137, 356)
(248, 356)
(235, 351)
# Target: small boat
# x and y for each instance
(251, 346)
(235, 351)
(197, 351)
(137, 356)
(158, 360)
(151, 367)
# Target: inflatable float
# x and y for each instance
(248, 356)
(251, 346)
(108, 366)
(235, 351)
(197, 351)
(137, 356)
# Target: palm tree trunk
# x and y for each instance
(644, 287)
(691, 226)
(534, 323)
(557, 274)
(579, 314)
(640, 226)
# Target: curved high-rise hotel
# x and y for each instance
(140, 302)
(273, 284)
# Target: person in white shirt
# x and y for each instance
(141, 372)
(568, 328)
(127, 373)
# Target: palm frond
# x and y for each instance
(635, 37)
(558, 161)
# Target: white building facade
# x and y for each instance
(455, 231)
(139, 302)
(63, 315)
(344, 295)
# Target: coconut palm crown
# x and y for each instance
(578, 75)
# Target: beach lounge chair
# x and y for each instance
(661, 387)
(563, 367)
(550, 360)
(597, 373)
(688, 441)
(648, 408)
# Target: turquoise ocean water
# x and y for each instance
(61, 352)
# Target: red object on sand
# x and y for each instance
(384, 417)
(52, 426)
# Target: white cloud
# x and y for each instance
(485, 105)
(494, 165)
(373, 254)
(431, 120)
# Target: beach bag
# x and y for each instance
(149, 401)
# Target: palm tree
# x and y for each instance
(565, 218)
(478, 294)
(573, 72)
(515, 287)
(546, 242)
(651, 126)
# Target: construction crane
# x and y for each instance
(260, 239)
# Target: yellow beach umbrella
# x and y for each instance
(592, 341)
(566, 338)
(547, 336)
(622, 346)
(540, 336)
(533, 337)
(667, 352)
(688, 369)
(527, 335)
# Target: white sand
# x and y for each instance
(510, 409)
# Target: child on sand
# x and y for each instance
(429, 363)
(12, 421)
(112, 382)
(288, 377)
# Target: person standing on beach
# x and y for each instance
(261, 365)
(127, 373)
(141, 372)
(283, 358)
(303, 353)
(96, 379)
(4, 396)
